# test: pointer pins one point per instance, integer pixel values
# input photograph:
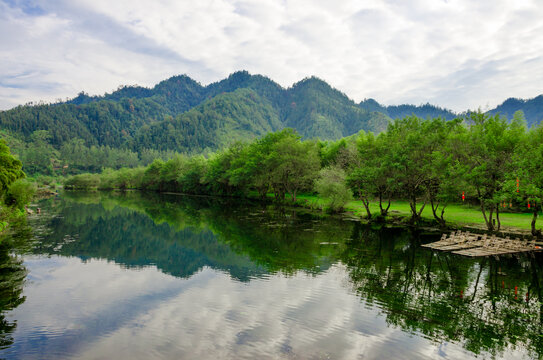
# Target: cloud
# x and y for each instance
(459, 53)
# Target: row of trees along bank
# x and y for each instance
(484, 159)
(15, 190)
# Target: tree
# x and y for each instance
(20, 192)
(529, 173)
(10, 168)
(293, 165)
(490, 145)
(411, 143)
(331, 185)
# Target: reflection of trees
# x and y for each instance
(447, 297)
(180, 235)
(12, 276)
(442, 296)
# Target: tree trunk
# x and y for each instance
(366, 203)
(367, 206)
(384, 212)
(488, 221)
(498, 216)
(413, 206)
(415, 216)
(535, 232)
(440, 220)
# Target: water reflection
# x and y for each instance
(12, 276)
(208, 278)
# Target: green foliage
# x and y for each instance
(214, 124)
(532, 109)
(491, 143)
(316, 110)
(427, 162)
(425, 111)
(82, 182)
(10, 168)
(178, 115)
(20, 193)
(331, 185)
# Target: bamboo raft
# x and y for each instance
(467, 244)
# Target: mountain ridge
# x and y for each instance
(205, 118)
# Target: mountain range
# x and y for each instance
(182, 115)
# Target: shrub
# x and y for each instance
(331, 186)
(82, 181)
(20, 193)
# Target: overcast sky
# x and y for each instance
(456, 53)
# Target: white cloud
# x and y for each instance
(456, 53)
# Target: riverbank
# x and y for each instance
(456, 215)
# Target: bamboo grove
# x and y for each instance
(481, 159)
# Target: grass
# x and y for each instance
(455, 214)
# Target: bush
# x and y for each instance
(331, 186)
(82, 181)
(20, 193)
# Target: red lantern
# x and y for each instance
(528, 204)
(463, 197)
(518, 183)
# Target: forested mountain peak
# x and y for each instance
(179, 114)
(532, 109)
(399, 111)
(177, 83)
(315, 84)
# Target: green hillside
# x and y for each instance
(532, 109)
(134, 124)
(181, 115)
(400, 111)
(315, 109)
(214, 124)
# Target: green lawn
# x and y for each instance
(454, 214)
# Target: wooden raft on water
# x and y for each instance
(468, 244)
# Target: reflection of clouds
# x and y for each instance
(97, 310)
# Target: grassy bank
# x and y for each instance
(456, 215)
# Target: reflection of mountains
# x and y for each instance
(180, 237)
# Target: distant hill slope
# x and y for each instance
(316, 109)
(532, 108)
(238, 115)
(182, 115)
(400, 111)
(179, 114)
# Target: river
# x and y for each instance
(147, 276)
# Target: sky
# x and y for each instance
(459, 54)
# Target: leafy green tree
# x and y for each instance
(411, 143)
(529, 173)
(491, 143)
(293, 165)
(221, 167)
(10, 167)
(331, 186)
(20, 192)
(373, 172)
(82, 181)
(192, 180)
(446, 172)
(151, 176)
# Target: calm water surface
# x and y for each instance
(140, 276)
